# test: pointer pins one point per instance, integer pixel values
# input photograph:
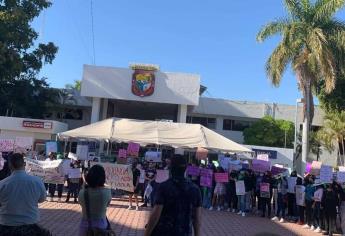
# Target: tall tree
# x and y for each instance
(313, 43)
(21, 92)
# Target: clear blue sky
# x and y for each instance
(213, 38)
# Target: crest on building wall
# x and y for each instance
(143, 79)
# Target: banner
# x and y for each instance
(341, 174)
(49, 171)
(133, 149)
(270, 153)
(193, 170)
(51, 146)
(263, 157)
(118, 176)
(315, 168)
(291, 184)
(206, 176)
(240, 188)
(326, 174)
(260, 165)
(201, 153)
(23, 144)
(162, 175)
(221, 177)
(265, 190)
(82, 152)
(300, 195)
(6, 145)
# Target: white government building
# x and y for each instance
(144, 92)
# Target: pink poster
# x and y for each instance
(193, 170)
(133, 149)
(264, 187)
(206, 177)
(261, 166)
(162, 175)
(221, 177)
(308, 167)
(122, 153)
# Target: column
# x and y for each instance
(96, 106)
(182, 113)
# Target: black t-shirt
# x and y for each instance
(179, 198)
(136, 175)
(150, 173)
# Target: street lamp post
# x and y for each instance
(299, 100)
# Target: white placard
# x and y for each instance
(263, 157)
(23, 143)
(341, 174)
(326, 174)
(291, 184)
(51, 146)
(318, 195)
(49, 171)
(240, 188)
(224, 161)
(82, 152)
(74, 173)
(72, 156)
(153, 156)
(300, 195)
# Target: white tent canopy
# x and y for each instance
(178, 135)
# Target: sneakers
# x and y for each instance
(243, 214)
(312, 228)
(59, 200)
(233, 210)
(317, 230)
(219, 209)
(50, 199)
(306, 226)
(239, 213)
(275, 218)
(229, 210)
(137, 208)
(211, 208)
(130, 208)
(281, 220)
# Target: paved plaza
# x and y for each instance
(63, 220)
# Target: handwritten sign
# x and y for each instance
(118, 176)
(341, 174)
(48, 171)
(193, 170)
(201, 153)
(162, 175)
(224, 162)
(265, 190)
(153, 156)
(263, 157)
(122, 153)
(318, 195)
(300, 195)
(6, 145)
(206, 176)
(275, 170)
(23, 144)
(240, 188)
(74, 173)
(221, 177)
(51, 146)
(133, 149)
(82, 152)
(291, 184)
(326, 174)
(315, 168)
(260, 165)
(72, 156)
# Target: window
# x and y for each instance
(71, 114)
(227, 124)
(205, 121)
(236, 125)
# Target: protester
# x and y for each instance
(281, 199)
(5, 171)
(266, 201)
(150, 174)
(309, 194)
(136, 176)
(317, 208)
(329, 203)
(291, 195)
(218, 194)
(301, 208)
(177, 205)
(94, 200)
(20, 194)
(73, 182)
(232, 197)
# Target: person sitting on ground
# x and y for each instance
(177, 205)
(20, 194)
(99, 198)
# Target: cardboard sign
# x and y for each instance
(48, 171)
(221, 177)
(341, 174)
(153, 156)
(326, 174)
(23, 143)
(308, 167)
(201, 153)
(82, 152)
(240, 188)
(275, 170)
(318, 195)
(315, 168)
(300, 195)
(6, 145)
(263, 157)
(162, 175)
(51, 146)
(193, 170)
(206, 177)
(118, 176)
(265, 190)
(261, 166)
(122, 153)
(291, 184)
(74, 173)
(133, 149)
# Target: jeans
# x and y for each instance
(248, 200)
(291, 204)
(309, 212)
(233, 201)
(207, 197)
(342, 216)
(316, 214)
(266, 201)
(330, 223)
(281, 205)
(242, 200)
(52, 189)
(73, 189)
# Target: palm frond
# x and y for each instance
(325, 9)
(271, 29)
(294, 8)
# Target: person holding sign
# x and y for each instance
(232, 201)
(317, 209)
(329, 202)
(74, 176)
(219, 193)
(309, 194)
(266, 201)
(282, 187)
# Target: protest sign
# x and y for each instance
(326, 174)
(234, 167)
(72, 156)
(49, 171)
(122, 156)
(318, 195)
(300, 195)
(51, 146)
(162, 175)
(74, 173)
(23, 144)
(6, 145)
(221, 177)
(315, 168)
(206, 176)
(308, 167)
(82, 152)
(261, 166)
(265, 190)
(179, 151)
(133, 149)
(224, 161)
(201, 153)
(263, 157)
(193, 170)
(275, 170)
(341, 174)
(240, 188)
(291, 184)
(122, 153)
(118, 176)
(153, 156)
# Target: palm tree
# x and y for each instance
(332, 134)
(313, 43)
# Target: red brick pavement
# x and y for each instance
(63, 220)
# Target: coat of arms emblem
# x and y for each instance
(143, 80)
